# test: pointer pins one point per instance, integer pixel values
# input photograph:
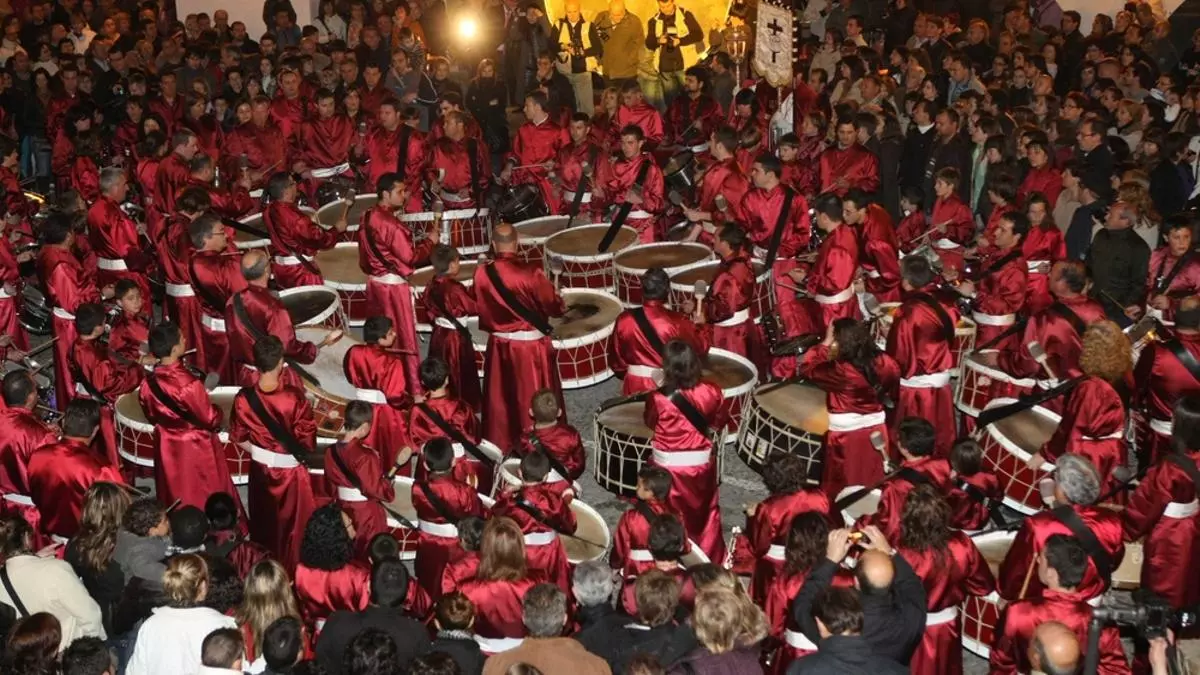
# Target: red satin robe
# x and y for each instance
(778, 608)
(264, 147)
(569, 166)
(362, 494)
(471, 128)
(435, 550)
(761, 208)
(548, 559)
(999, 297)
(462, 566)
(1043, 244)
(84, 178)
(170, 112)
(1186, 283)
(269, 315)
(59, 477)
(62, 157)
(917, 341)
(642, 115)
(561, 442)
(451, 345)
(67, 285)
(1057, 336)
(1172, 542)
(895, 493)
(498, 609)
(324, 143)
(746, 127)
(1093, 425)
(687, 590)
(173, 250)
(690, 121)
(233, 202)
(855, 165)
(280, 497)
(129, 336)
(643, 217)
(289, 114)
(1045, 180)
(208, 132)
(24, 433)
(1014, 632)
(830, 280)
(767, 534)
(954, 217)
(172, 177)
(189, 461)
(244, 556)
(1031, 540)
(968, 498)
(729, 311)
(726, 178)
(388, 292)
(630, 554)
(382, 150)
(215, 276)
(126, 138)
(323, 592)
(460, 417)
(515, 368)
(454, 159)
(114, 237)
(146, 175)
(10, 315)
(373, 98)
(1161, 381)
(374, 368)
(911, 228)
(92, 361)
(679, 448)
(293, 235)
(629, 347)
(949, 575)
(57, 110)
(879, 252)
(855, 413)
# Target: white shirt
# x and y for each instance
(170, 640)
(81, 40)
(50, 585)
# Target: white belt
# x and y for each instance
(994, 319)
(5, 294)
(874, 274)
(63, 314)
(927, 381)
(638, 370)
(111, 264)
(256, 194)
(1120, 433)
(271, 460)
(454, 198)
(855, 421)
(443, 322)
(586, 199)
(497, 645)
(739, 317)
(1047, 384)
(839, 297)
(445, 530)
(1033, 265)
(212, 323)
(639, 214)
(1178, 510)
(941, 616)
(521, 335)
(682, 459)
(371, 396)
(331, 171)
(541, 538)
(180, 290)
(26, 500)
(289, 260)
(351, 494)
(389, 279)
(640, 555)
(776, 552)
(797, 640)
(946, 244)
(1160, 427)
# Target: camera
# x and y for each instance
(1151, 617)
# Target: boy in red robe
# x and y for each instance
(441, 502)
(444, 415)
(630, 555)
(354, 472)
(379, 376)
(448, 302)
(542, 515)
(130, 331)
(975, 492)
(560, 442)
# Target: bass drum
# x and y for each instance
(35, 313)
(680, 172)
(522, 202)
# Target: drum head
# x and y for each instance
(255, 221)
(725, 372)
(403, 504)
(867, 505)
(584, 241)
(706, 272)
(626, 418)
(592, 529)
(662, 255)
(304, 305)
(340, 264)
(328, 366)
(587, 312)
(799, 405)
(422, 277)
(328, 215)
(540, 228)
(222, 397)
(127, 406)
(679, 161)
(1028, 430)
(994, 547)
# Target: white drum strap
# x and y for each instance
(1180, 510)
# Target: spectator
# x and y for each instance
(838, 613)
(729, 629)
(221, 652)
(599, 623)
(372, 652)
(32, 646)
(654, 631)
(91, 551)
(441, 663)
(267, 598)
(282, 645)
(544, 612)
(1119, 264)
(88, 656)
(389, 589)
(454, 615)
(142, 542)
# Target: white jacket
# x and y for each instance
(170, 640)
(50, 585)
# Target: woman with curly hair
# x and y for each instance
(950, 568)
(328, 577)
(267, 597)
(499, 586)
(90, 551)
(1093, 418)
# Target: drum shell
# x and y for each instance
(979, 385)
(522, 202)
(592, 269)
(135, 435)
(980, 616)
(1007, 460)
(683, 286)
(530, 247)
(331, 316)
(347, 280)
(681, 177)
(672, 257)
(618, 456)
(328, 214)
(467, 230)
(762, 434)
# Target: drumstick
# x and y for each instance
(700, 290)
(1028, 577)
(1111, 299)
(880, 445)
(926, 233)
(1039, 355)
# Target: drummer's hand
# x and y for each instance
(688, 306)
(1134, 312)
(694, 233)
(798, 275)
(11, 291)
(404, 456)
(1042, 268)
(299, 167)
(838, 545)
(147, 359)
(633, 197)
(568, 495)
(752, 509)
(950, 274)
(941, 227)
(418, 399)
(598, 193)
(6, 340)
(1035, 462)
(967, 288)
(548, 165)
(107, 291)
(876, 540)
(1160, 302)
(341, 225)
(245, 183)
(988, 358)
(1158, 653)
(691, 214)
(506, 173)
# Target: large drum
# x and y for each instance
(964, 332)
(328, 214)
(683, 284)
(237, 458)
(1009, 444)
(403, 505)
(622, 444)
(633, 262)
(332, 391)
(584, 266)
(592, 537)
(339, 266)
(867, 505)
(522, 202)
(979, 384)
(980, 615)
(419, 279)
(736, 376)
(533, 233)
(784, 418)
(465, 229)
(314, 306)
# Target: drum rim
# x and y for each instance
(968, 361)
(850, 489)
(453, 214)
(338, 203)
(594, 257)
(591, 511)
(741, 389)
(122, 420)
(638, 271)
(601, 333)
(324, 314)
(256, 243)
(761, 277)
(1020, 453)
(321, 391)
(419, 288)
(537, 241)
(609, 405)
(334, 283)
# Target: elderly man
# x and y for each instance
(623, 34)
(544, 612)
(114, 236)
(600, 625)
(1118, 264)
(579, 50)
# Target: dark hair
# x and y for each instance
(200, 229)
(16, 536)
(770, 163)
(221, 648)
(357, 414)
(372, 652)
(32, 645)
(434, 663)
(857, 346)
(438, 453)
(1185, 427)
(656, 285)
(917, 436)
(538, 98)
(433, 373)
(88, 317)
(1065, 555)
(326, 544)
(808, 536)
(283, 642)
(535, 466)
(925, 521)
(916, 270)
(658, 481)
(225, 588)
(163, 339)
(387, 182)
(189, 526)
(681, 366)
(268, 352)
(18, 385)
(375, 328)
(666, 540)
(726, 137)
(830, 205)
(389, 583)
(441, 256)
(785, 474)
(124, 287)
(470, 533)
(221, 510)
(454, 611)
(840, 609)
(966, 456)
(657, 596)
(90, 656)
(143, 515)
(633, 130)
(1020, 222)
(734, 236)
(383, 546)
(80, 419)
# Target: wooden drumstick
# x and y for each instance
(1039, 355)
(700, 290)
(880, 445)
(556, 270)
(1028, 577)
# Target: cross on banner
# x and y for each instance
(775, 29)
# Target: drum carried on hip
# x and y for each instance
(135, 434)
(584, 266)
(784, 418)
(736, 376)
(329, 213)
(679, 173)
(980, 615)
(980, 384)
(633, 262)
(521, 202)
(314, 306)
(1008, 444)
(420, 279)
(339, 266)
(332, 391)
(533, 233)
(683, 285)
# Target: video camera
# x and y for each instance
(1151, 616)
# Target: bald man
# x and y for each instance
(1054, 649)
(516, 302)
(579, 48)
(893, 599)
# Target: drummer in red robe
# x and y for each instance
(830, 280)
(951, 225)
(556, 439)
(440, 501)
(675, 412)
(721, 189)
(354, 472)
(877, 244)
(448, 302)
(378, 374)
(281, 492)
(1076, 489)
(442, 414)
(951, 568)
(847, 164)
(915, 443)
(1042, 247)
(24, 432)
(114, 236)
(459, 169)
(635, 355)
(636, 112)
(1174, 273)
(321, 147)
(67, 285)
(534, 149)
(233, 201)
(999, 293)
(751, 125)
(922, 343)
(255, 313)
(1093, 415)
(1162, 380)
(388, 255)
(100, 374)
(10, 282)
(1064, 601)
(582, 164)
(189, 461)
(256, 148)
(635, 186)
(395, 145)
(542, 512)
(630, 554)
(61, 472)
(691, 118)
(295, 237)
(975, 493)
(213, 274)
(289, 109)
(728, 306)
(173, 173)
(129, 330)
(856, 378)
(520, 355)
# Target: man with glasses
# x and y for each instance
(1091, 151)
(673, 36)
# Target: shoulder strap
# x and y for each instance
(281, 433)
(932, 303)
(83, 380)
(12, 592)
(644, 510)
(644, 325)
(402, 151)
(1189, 467)
(454, 434)
(223, 550)
(624, 209)
(780, 223)
(558, 466)
(336, 453)
(243, 317)
(1165, 282)
(171, 404)
(1184, 356)
(473, 165)
(369, 235)
(440, 305)
(439, 504)
(205, 295)
(693, 415)
(583, 186)
(305, 262)
(532, 318)
(1000, 263)
(1069, 314)
(1100, 557)
(535, 513)
(913, 476)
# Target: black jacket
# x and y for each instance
(462, 648)
(668, 644)
(845, 655)
(600, 626)
(412, 640)
(893, 623)
(916, 153)
(955, 153)
(1118, 264)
